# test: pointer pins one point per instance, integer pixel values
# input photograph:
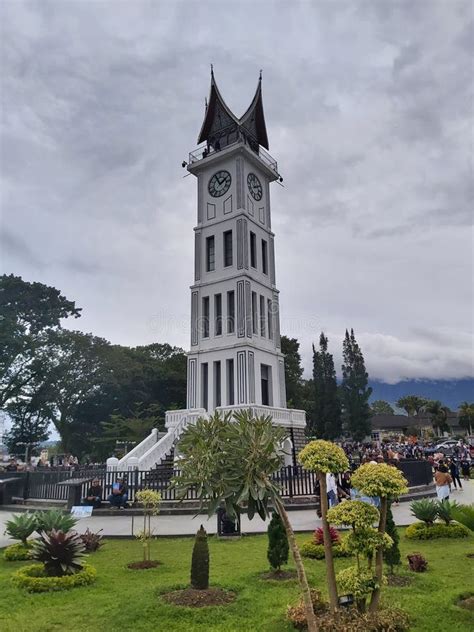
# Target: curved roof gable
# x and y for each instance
(219, 116)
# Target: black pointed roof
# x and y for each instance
(220, 117)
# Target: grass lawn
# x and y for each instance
(125, 600)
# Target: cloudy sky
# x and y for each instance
(368, 110)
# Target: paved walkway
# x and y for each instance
(302, 520)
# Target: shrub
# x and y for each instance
(34, 579)
(54, 519)
(200, 561)
(465, 515)
(445, 510)
(420, 531)
(350, 620)
(61, 553)
(417, 562)
(392, 555)
(21, 526)
(357, 582)
(379, 479)
(323, 456)
(366, 540)
(316, 551)
(355, 513)
(18, 552)
(319, 535)
(297, 614)
(92, 541)
(425, 510)
(277, 552)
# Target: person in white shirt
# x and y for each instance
(331, 488)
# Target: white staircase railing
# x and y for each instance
(139, 450)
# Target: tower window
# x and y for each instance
(210, 254)
(264, 256)
(230, 382)
(253, 250)
(254, 313)
(205, 317)
(266, 384)
(217, 384)
(204, 386)
(228, 254)
(218, 314)
(230, 312)
(262, 315)
(270, 319)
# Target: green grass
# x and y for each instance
(123, 600)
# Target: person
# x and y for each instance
(454, 470)
(465, 468)
(12, 466)
(443, 481)
(331, 488)
(94, 495)
(119, 496)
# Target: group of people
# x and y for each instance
(117, 499)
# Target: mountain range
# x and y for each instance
(450, 392)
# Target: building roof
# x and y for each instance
(387, 422)
(220, 117)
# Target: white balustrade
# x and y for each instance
(140, 449)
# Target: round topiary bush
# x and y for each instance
(421, 531)
(18, 552)
(34, 579)
(316, 551)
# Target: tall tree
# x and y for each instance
(381, 407)
(293, 372)
(29, 427)
(466, 416)
(30, 313)
(438, 414)
(355, 392)
(412, 404)
(326, 420)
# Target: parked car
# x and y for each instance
(446, 445)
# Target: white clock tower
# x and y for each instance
(235, 360)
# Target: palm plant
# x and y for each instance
(54, 519)
(438, 414)
(425, 510)
(21, 526)
(61, 553)
(445, 510)
(466, 416)
(465, 515)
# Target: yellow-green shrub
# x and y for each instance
(420, 531)
(33, 579)
(323, 456)
(316, 551)
(18, 552)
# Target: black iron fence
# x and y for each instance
(293, 481)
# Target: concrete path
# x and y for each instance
(302, 520)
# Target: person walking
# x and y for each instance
(443, 481)
(454, 470)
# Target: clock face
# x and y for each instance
(255, 187)
(219, 183)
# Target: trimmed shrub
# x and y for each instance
(357, 582)
(420, 531)
(34, 579)
(316, 551)
(54, 519)
(18, 552)
(417, 562)
(319, 535)
(277, 552)
(200, 561)
(21, 526)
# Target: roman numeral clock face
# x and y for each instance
(255, 187)
(219, 184)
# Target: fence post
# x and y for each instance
(26, 486)
(290, 480)
(136, 481)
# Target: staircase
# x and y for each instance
(157, 450)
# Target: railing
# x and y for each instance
(293, 481)
(140, 449)
(280, 416)
(203, 152)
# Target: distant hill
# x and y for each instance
(450, 392)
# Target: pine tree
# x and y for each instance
(355, 392)
(200, 561)
(392, 556)
(326, 421)
(277, 552)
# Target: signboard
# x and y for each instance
(81, 511)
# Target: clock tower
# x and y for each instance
(235, 359)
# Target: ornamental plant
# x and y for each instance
(333, 534)
(445, 510)
(392, 555)
(277, 552)
(54, 520)
(386, 482)
(61, 553)
(92, 541)
(232, 460)
(21, 526)
(425, 510)
(200, 561)
(150, 501)
(324, 457)
(465, 515)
